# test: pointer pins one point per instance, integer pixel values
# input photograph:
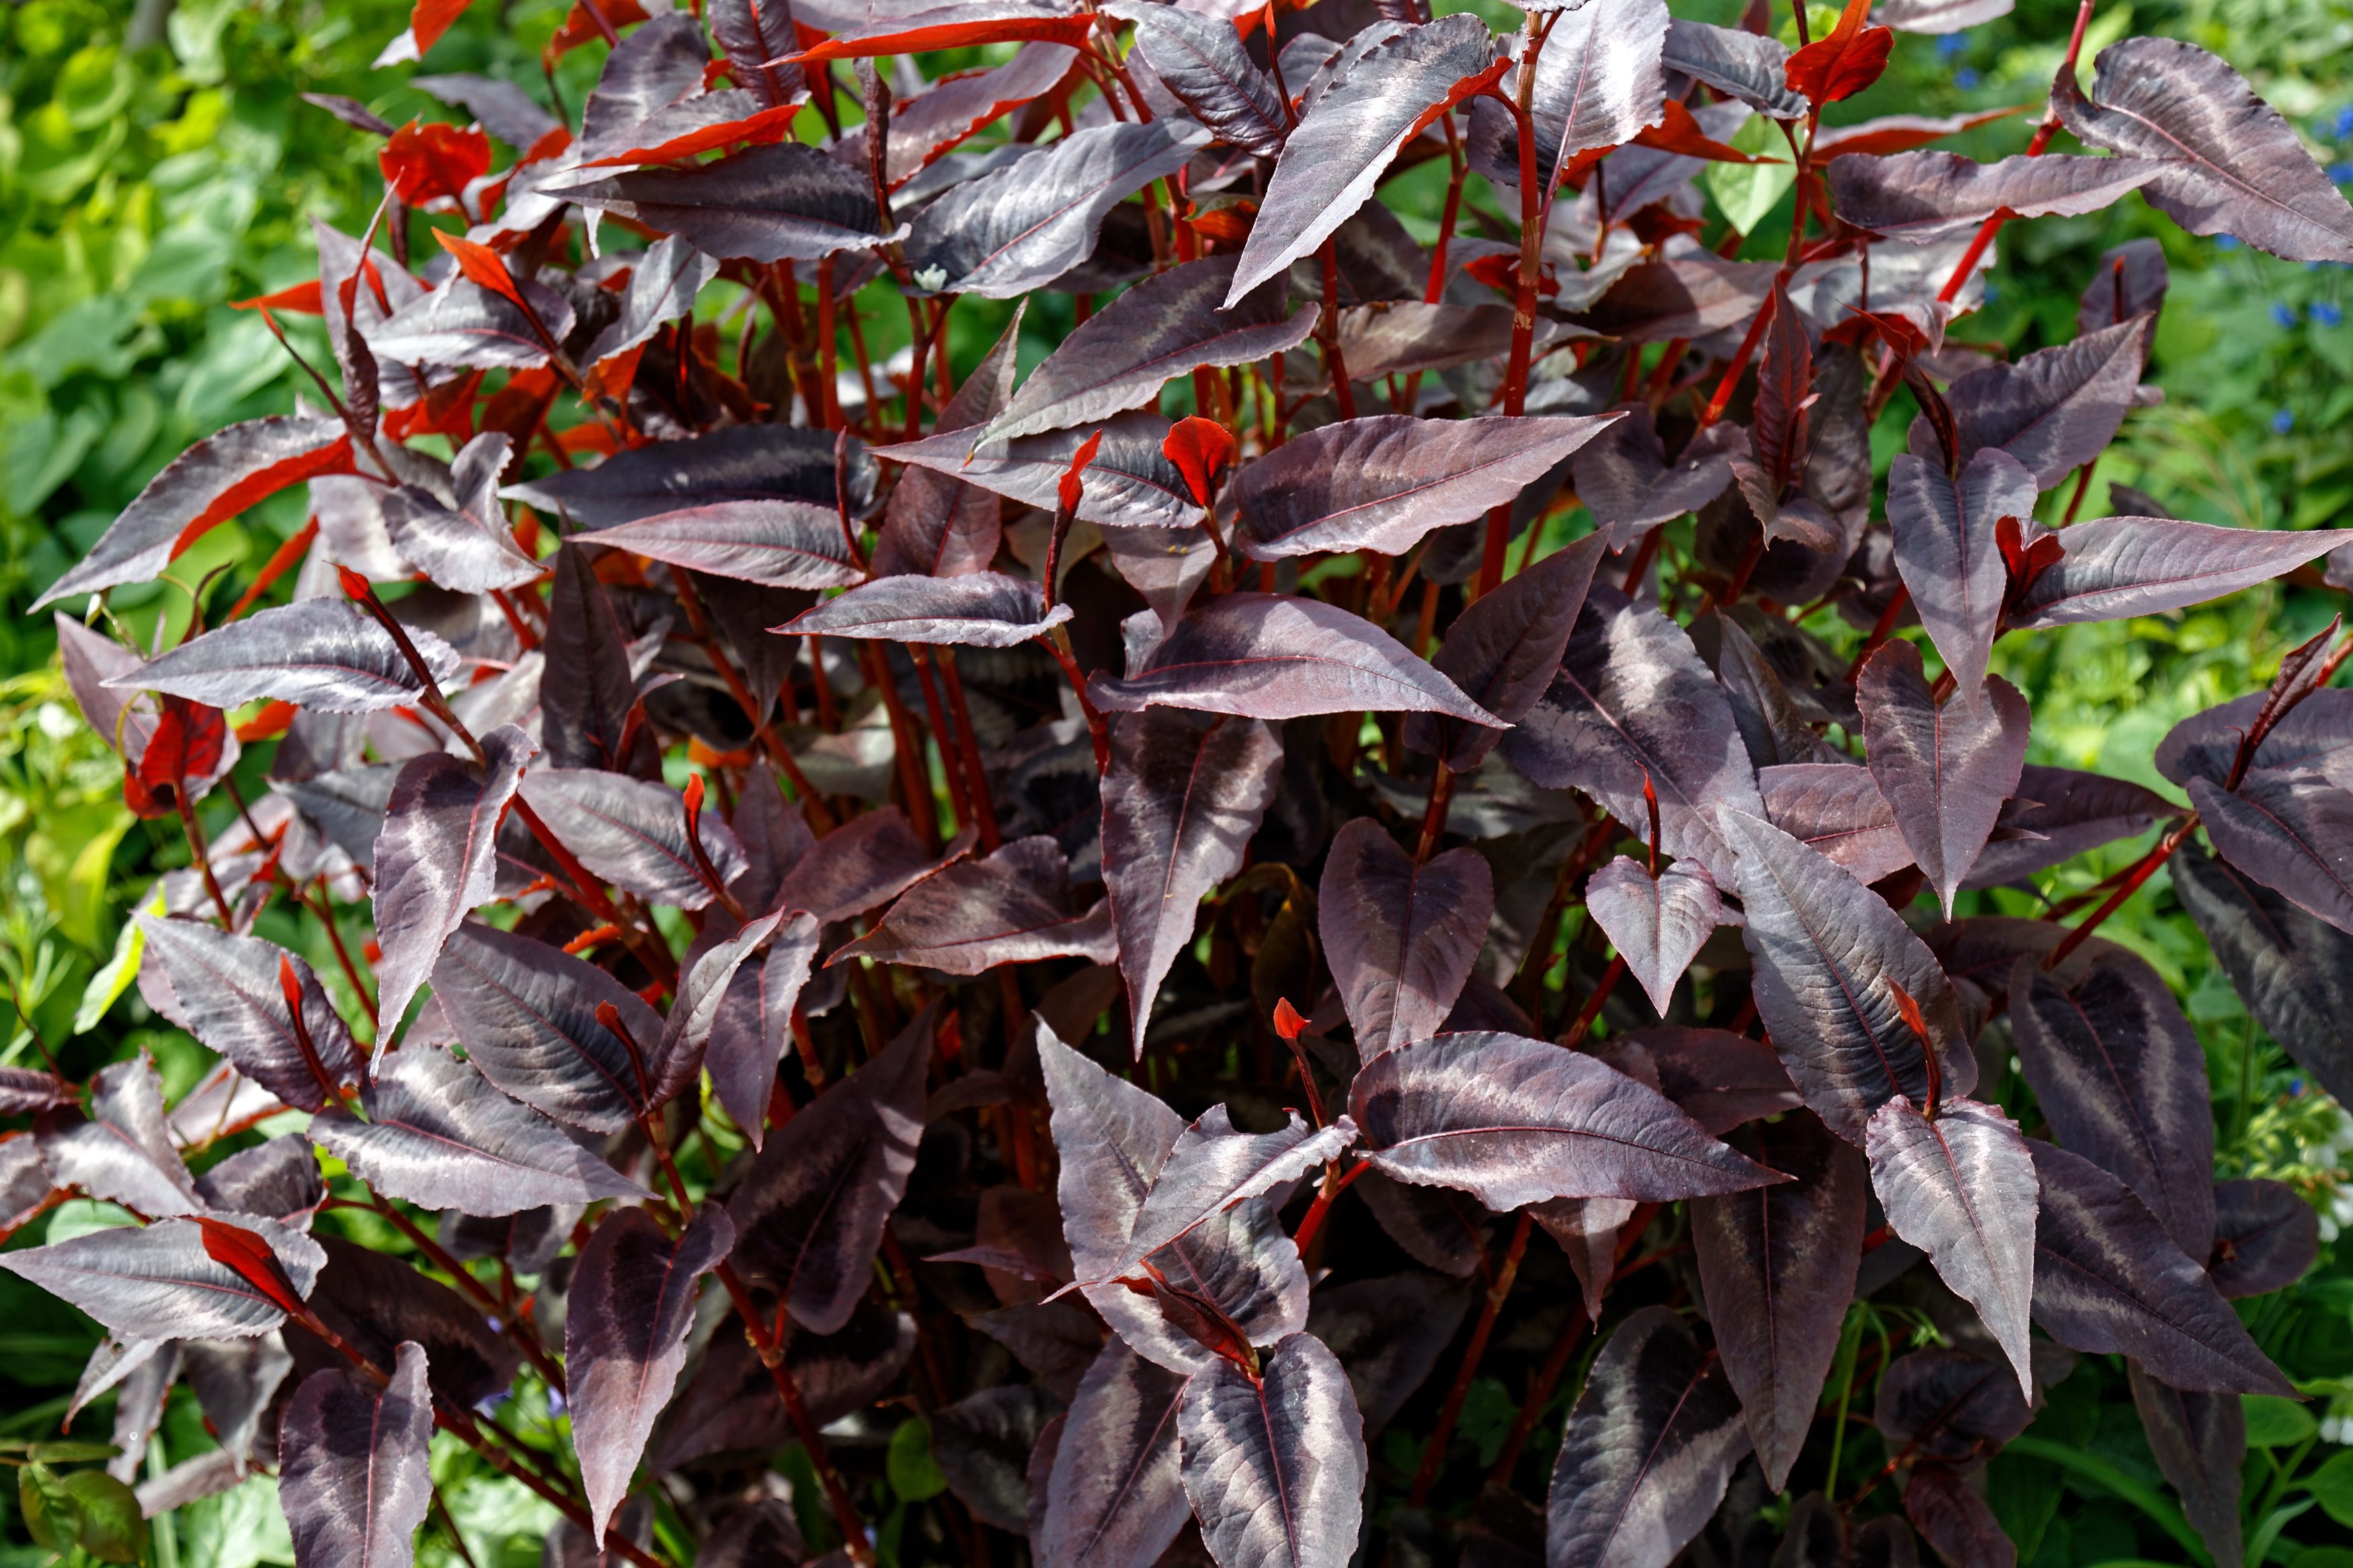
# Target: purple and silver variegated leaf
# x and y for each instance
(663, 282)
(702, 992)
(2200, 1443)
(1962, 1189)
(1945, 770)
(463, 323)
(787, 202)
(225, 991)
(463, 541)
(1213, 1166)
(1751, 66)
(1773, 727)
(236, 1382)
(2291, 830)
(2316, 735)
(1836, 809)
(2294, 971)
(1130, 482)
(735, 463)
(2118, 567)
(1115, 1494)
(1656, 924)
(752, 1025)
(1624, 477)
(1503, 650)
(353, 1477)
(91, 658)
(1599, 82)
(526, 1014)
(277, 1179)
(587, 689)
(321, 654)
(2265, 1236)
(1400, 936)
(1720, 1078)
(1923, 198)
(780, 543)
(1650, 1448)
(2060, 813)
(436, 861)
(122, 1150)
(859, 865)
(2053, 410)
(937, 526)
(1275, 1465)
(1201, 62)
(633, 832)
(1947, 552)
(158, 1282)
(1012, 907)
(977, 609)
(755, 35)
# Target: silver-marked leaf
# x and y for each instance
(435, 861)
(2056, 409)
(1658, 926)
(461, 541)
(124, 721)
(2200, 1443)
(735, 463)
(937, 526)
(438, 1135)
(587, 687)
(780, 543)
(2072, 811)
(1947, 552)
(626, 1320)
(353, 1476)
(1650, 1448)
(2289, 830)
(1720, 1078)
(1624, 476)
(1130, 482)
(1211, 1167)
(1503, 650)
(1751, 66)
(1836, 810)
(1774, 726)
(861, 865)
(2316, 735)
(277, 1179)
(787, 202)
(663, 283)
(1945, 770)
(1275, 1465)
(157, 1282)
(1923, 197)
(1199, 59)
(1115, 1496)
(982, 1445)
(227, 993)
(753, 1024)
(1962, 1189)
(2108, 1280)
(2117, 567)
(526, 1014)
(323, 653)
(1599, 82)
(978, 609)
(1515, 1121)
(1012, 907)
(1400, 937)
(633, 832)
(122, 1150)
(463, 323)
(702, 992)
(2294, 971)
(2265, 1236)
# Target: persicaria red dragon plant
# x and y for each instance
(1122, 982)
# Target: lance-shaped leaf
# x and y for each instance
(1161, 328)
(809, 1216)
(1515, 1121)
(702, 995)
(1923, 197)
(2265, 1236)
(2294, 971)
(1836, 809)
(2230, 164)
(787, 202)
(1267, 656)
(951, 26)
(1130, 480)
(2107, 1280)
(1021, 226)
(277, 1179)
(753, 1024)
(587, 690)
(1383, 481)
(1634, 702)
(436, 860)
(983, 1444)
(1751, 66)
(1335, 157)
(2317, 735)
(1180, 804)
(663, 283)
(1275, 1465)
(353, 1476)
(209, 483)
(864, 864)
(2200, 1443)
(937, 527)
(634, 833)
(944, 116)
(1778, 1265)
(1624, 476)
(2289, 830)
(462, 541)
(159, 1282)
(2057, 408)
(122, 1150)
(1598, 83)
(90, 658)
(323, 653)
(1115, 1495)
(1901, 132)
(227, 993)
(1400, 936)
(438, 1135)
(1953, 1518)
(1962, 1189)
(1200, 60)
(1947, 555)
(979, 609)
(2120, 1075)
(1835, 976)
(625, 1326)
(779, 544)
(526, 1014)
(2117, 567)
(743, 462)
(1650, 1448)
(1945, 770)
(751, 34)
(1658, 926)
(1012, 907)
(1213, 1167)
(1772, 726)
(1720, 1078)
(464, 323)
(1503, 650)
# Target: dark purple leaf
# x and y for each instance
(2200, 1442)
(1923, 198)
(1624, 477)
(1751, 66)
(1650, 1448)
(760, 1533)
(1949, 1406)
(1275, 1465)
(1944, 769)
(784, 203)
(1657, 926)
(463, 323)
(1836, 810)
(2265, 1236)
(277, 1179)
(979, 609)
(2121, 1076)
(122, 1150)
(1383, 481)
(633, 832)
(1212, 1167)
(653, 68)
(1778, 1265)
(1266, 656)
(1719, 1078)
(236, 1382)
(2130, 282)
(2072, 811)
(2289, 830)
(374, 1302)
(2117, 567)
(1599, 82)
(732, 1406)
(1961, 1188)
(1829, 969)
(1438, 1227)
(323, 653)
(1633, 702)
(586, 687)
(1012, 907)
(504, 109)
(780, 543)
(24, 1091)
(1515, 1121)
(2057, 408)
(1055, 1340)
(2108, 1280)
(1201, 62)
(861, 865)
(1130, 482)
(1503, 650)
(460, 540)
(982, 1444)
(907, 30)
(226, 992)
(1955, 1521)
(776, 837)
(944, 117)
(1689, 297)
(1116, 1497)
(704, 993)
(1947, 554)
(2229, 162)
(1180, 804)
(737, 463)
(1400, 936)
(751, 1026)
(937, 526)
(158, 1282)
(625, 1326)
(438, 1135)
(436, 860)
(124, 721)
(1772, 725)
(526, 1014)
(2294, 971)
(2315, 736)
(809, 1216)
(353, 1477)
(663, 283)
(1389, 1333)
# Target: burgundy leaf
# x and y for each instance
(158, 1282)
(702, 992)
(585, 689)
(353, 1477)
(1955, 1521)
(527, 1016)
(236, 1382)
(1503, 650)
(122, 1150)
(937, 527)
(2108, 1280)
(1688, 297)
(780, 543)
(2292, 831)
(2294, 971)
(1199, 59)
(436, 860)
(1949, 1407)
(1945, 770)
(374, 1302)
(1947, 554)
(2316, 735)
(1961, 1188)
(979, 609)
(1650, 1447)
(2117, 567)
(1658, 926)
(1383, 481)
(758, 1534)
(438, 1135)
(1275, 1465)
(953, 27)
(463, 323)
(323, 653)
(625, 1326)
(1180, 803)
(2121, 1076)
(1012, 907)
(1400, 936)
(1211, 1167)
(504, 109)
(1130, 482)
(1389, 1333)
(751, 34)
(2200, 1442)
(1515, 1121)
(634, 833)
(277, 1179)
(226, 992)
(1116, 1497)
(1624, 477)
(1598, 83)
(1751, 66)
(2130, 282)
(123, 722)
(942, 117)
(751, 1026)
(1923, 198)
(1836, 810)
(982, 1445)
(461, 541)
(787, 202)
(1772, 726)
(731, 1405)
(1719, 1078)
(1336, 154)
(2057, 408)
(739, 463)
(2265, 1236)
(809, 1219)
(2229, 162)
(859, 865)
(1778, 1265)
(1265, 655)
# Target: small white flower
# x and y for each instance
(930, 279)
(2327, 1228)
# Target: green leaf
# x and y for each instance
(2333, 1485)
(106, 987)
(2274, 1422)
(113, 1529)
(2102, 1473)
(52, 1517)
(2024, 1495)
(1747, 193)
(914, 1475)
(71, 1453)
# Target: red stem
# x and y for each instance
(2042, 132)
(1433, 1458)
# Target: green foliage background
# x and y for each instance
(155, 166)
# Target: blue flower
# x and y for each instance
(2341, 173)
(1965, 79)
(2296, 1086)
(2283, 422)
(2227, 241)
(1991, 293)
(2345, 121)
(2326, 315)
(1951, 43)
(2283, 317)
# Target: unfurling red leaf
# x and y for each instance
(1949, 556)
(1961, 1188)
(321, 654)
(626, 1320)
(2200, 1443)
(1199, 447)
(224, 990)
(1515, 1121)
(1650, 1448)
(1275, 1465)
(780, 543)
(436, 861)
(1115, 1496)
(162, 1282)
(2265, 1236)
(634, 833)
(2289, 830)
(527, 1016)
(1503, 650)
(1211, 1167)
(1012, 907)
(1843, 61)
(1923, 198)
(2117, 567)
(1658, 926)
(1400, 936)
(978, 609)
(122, 1150)
(2294, 971)
(787, 202)
(1945, 770)
(351, 1473)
